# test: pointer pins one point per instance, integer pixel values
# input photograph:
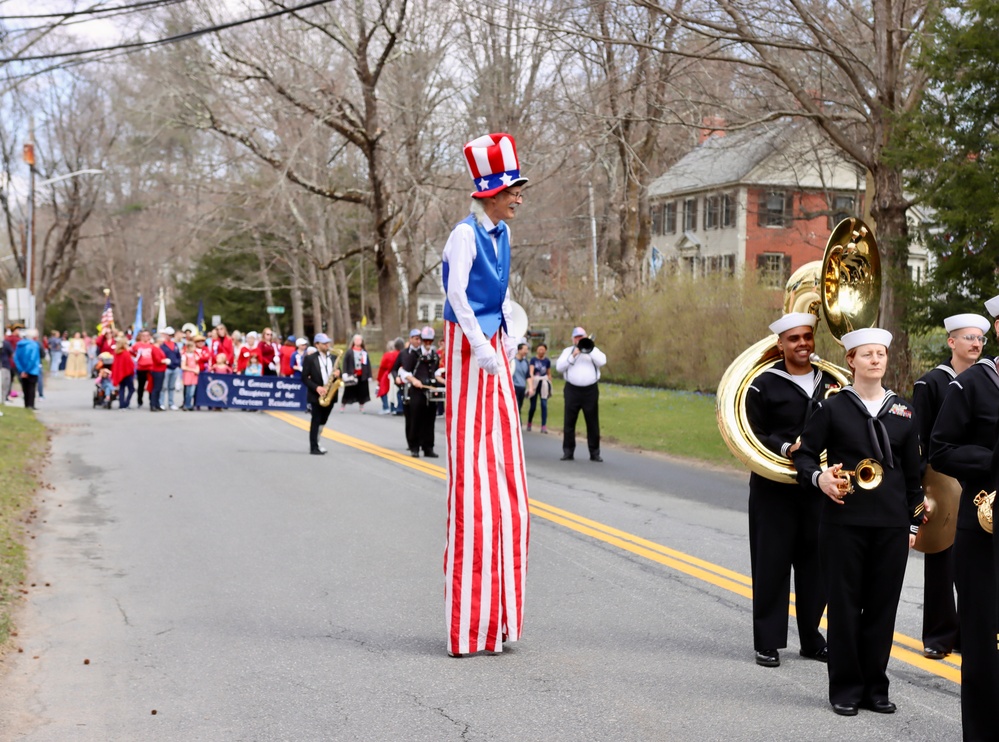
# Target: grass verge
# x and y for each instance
(22, 451)
(673, 422)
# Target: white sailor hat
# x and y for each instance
(794, 319)
(992, 306)
(427, 333)
(867, 336)
(960, 321)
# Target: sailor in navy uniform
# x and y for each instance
(865, 535)
(966, 341)
(961, 444)
(419, 370)
(784, 518)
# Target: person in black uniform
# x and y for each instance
(413, 347)
(864, 535)
(961, 444)
(419, 370)
(784, 518)
(966, 342)
(318, 370)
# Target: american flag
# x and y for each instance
(107, 318)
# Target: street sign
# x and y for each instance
(275, 310)
(216, 320)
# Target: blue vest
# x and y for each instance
(488, 279)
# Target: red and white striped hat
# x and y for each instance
(492, 162)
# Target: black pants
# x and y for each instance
(320, 415)
(420, 419)
(940, 631)
(784, 534)
(29, 384)
(864, 568)
(587, 399)
(154, 395)
(974, 571)
(141, 377)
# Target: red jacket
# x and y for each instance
(222, 345)
(287, 351)
(385, 372)
(159, 362)
(122, 368)
(266, 354)
(244, 357)
(143, 354)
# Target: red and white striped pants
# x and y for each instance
(485, 559)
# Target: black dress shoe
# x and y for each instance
(567, 457)
(934, 654)
(318, 451)
(415, 454)
(597, 459)
(821, 656)
(881, 706)
(768, 658)
(845, 709)
(431, 455)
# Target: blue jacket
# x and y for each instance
(28, 357)
(173, 355)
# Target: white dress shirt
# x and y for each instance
(459, 254)
(583, 369)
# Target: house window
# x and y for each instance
(775, 209)
(669, 222)
(690, 215)
(424, 313)
(728, 265)
(712, 212)
(693, 266)
(728, 210)
(438, 311)
(842, 208)
(774, 268)
(657, 219)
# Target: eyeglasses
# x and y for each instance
(975, 338)
(515, 196)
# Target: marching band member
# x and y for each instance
(419, 371)
(864, 535)
(485, 559)
(965, 432)
(966, 341)
(318, 372)
(784, 518)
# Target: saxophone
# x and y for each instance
(334, 384)
(983, 501)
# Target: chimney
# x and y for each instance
(711, 126)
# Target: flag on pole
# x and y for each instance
(138, 318)
(107, 317)
(161, 320)
(202, 327)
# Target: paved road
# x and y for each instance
(211, 570)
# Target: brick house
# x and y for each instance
(766, 197)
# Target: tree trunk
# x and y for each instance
(266, 281)
(315, 294)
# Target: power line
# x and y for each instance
(91, 19)
(169, 39)
(90, 11)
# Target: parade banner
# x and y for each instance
(249, 392)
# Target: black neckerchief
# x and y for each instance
(780, 369)
(876, 430)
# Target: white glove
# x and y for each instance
(510, 346)
(488, 359)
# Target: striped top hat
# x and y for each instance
(492, 162)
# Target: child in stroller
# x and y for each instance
(104, 391)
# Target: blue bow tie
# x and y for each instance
(498, 230)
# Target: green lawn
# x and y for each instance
(678, 423)
(22, 454)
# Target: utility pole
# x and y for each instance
(593, 233)
(29, 278)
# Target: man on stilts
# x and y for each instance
(485, 559)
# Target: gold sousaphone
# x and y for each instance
(846, 285)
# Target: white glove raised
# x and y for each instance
(488, 359)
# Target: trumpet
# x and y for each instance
(586, 345)
(333, 384)
(983, 501)
(868, 475)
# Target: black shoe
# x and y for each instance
(431, 455)
(821, 656)
(318, 451)
(415, 454)
(768, 658)
(567, 457)
(845, 709)
(934, 654)
(881, 706)
(597, 459)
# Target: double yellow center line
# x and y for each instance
(906, 649)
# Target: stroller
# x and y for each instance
(104, 391)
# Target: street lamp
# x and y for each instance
(29, 158)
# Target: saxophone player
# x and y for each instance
(318, 371)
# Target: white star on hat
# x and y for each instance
(483, 184)
(507, 180)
